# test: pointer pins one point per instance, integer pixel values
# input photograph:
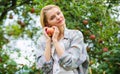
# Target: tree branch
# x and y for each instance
(4, 3)
(13, 6)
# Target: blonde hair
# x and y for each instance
(43, 19)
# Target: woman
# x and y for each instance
(62, 52)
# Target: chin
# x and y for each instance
(61, 24)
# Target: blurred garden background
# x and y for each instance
(99, 21)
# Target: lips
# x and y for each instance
(60, 21)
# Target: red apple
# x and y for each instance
(32, 10)
(92, 37)
(105, 49)
(85, 22)
(50, 31)
(22, 24)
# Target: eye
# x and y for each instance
(52, 17)
(58, 13)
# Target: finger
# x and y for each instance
(54, 27)
(45, 29)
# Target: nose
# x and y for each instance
(57, 17)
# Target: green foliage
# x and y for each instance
(99, 23)
(7, 64)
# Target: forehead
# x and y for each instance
(52, 11)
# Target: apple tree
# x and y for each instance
(92, 18)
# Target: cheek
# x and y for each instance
(63, 17)
(52, 22)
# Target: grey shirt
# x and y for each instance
(73, 58)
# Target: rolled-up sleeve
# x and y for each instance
(69, 60)
(41, 63)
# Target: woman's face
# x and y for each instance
(55, 17)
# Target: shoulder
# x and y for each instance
(74, 32)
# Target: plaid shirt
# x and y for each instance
(71, 60)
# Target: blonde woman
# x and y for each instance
(62, 52)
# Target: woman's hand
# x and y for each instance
(47, 51)
(46, 35)
(55, 34)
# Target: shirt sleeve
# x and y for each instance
(71, 58)
(41, 62)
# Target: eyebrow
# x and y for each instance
(56, 12)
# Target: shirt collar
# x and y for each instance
(66, 36)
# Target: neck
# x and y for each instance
(61, 29)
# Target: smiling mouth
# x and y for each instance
(60, 21)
